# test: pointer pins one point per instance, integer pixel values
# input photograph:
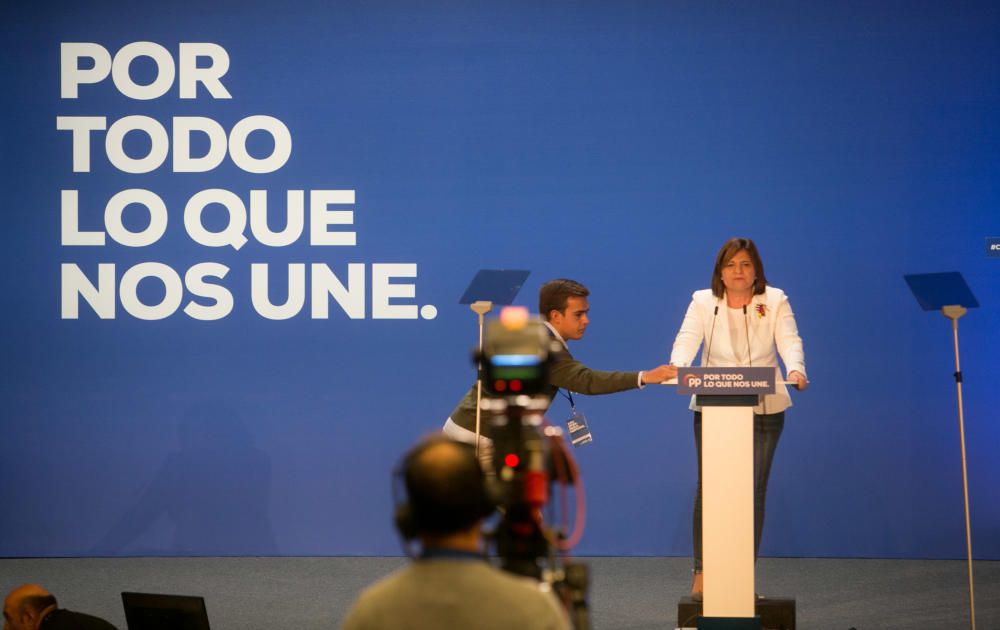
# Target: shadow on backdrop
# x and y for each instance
(214, 492)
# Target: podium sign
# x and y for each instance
(740, 381)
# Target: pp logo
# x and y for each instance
(692, 380)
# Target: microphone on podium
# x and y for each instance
(711, 333)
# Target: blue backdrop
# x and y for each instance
(618, 143)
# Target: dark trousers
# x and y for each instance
(766, 431)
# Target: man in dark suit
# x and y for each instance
(563, 305)
(30, 607)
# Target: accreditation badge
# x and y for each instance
(579, 431)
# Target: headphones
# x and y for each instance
(430, 502)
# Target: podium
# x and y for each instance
(727, 505)
(727, 397)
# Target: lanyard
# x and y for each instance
(568, 395)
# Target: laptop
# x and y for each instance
(150, 611)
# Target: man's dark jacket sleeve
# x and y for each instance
(565, 372)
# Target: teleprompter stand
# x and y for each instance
(489, 287)
(948, 293)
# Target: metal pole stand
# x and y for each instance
(481, 308)
(953, 313)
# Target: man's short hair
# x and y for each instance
(445, 487)
(554, 293)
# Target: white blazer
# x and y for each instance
(772, 331)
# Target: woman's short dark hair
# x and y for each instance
(554, 293)
(732, 247)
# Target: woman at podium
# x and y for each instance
(742, 322)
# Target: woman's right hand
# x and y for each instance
(800, 380)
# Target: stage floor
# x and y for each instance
(626, 593)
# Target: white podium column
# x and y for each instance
(727, 511)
